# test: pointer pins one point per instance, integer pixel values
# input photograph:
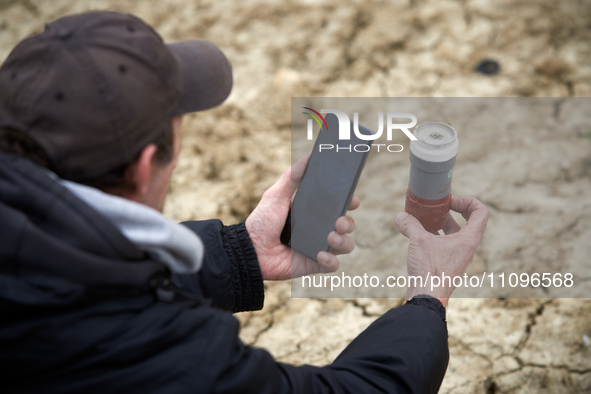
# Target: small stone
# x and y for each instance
(488, 67)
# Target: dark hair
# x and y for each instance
(16, 142)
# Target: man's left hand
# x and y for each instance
(278, 261)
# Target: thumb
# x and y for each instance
(287, 184)
(297, 172)
(408, 225)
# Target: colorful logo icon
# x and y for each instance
(315, 116)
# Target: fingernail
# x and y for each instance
(323, 258)
(349, 226)
(337, 240)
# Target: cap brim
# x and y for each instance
(206, 74)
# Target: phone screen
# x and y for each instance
(326, 188)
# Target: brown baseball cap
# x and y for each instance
(93, 89)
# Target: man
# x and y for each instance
(100, 293)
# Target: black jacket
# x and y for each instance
(82, 309)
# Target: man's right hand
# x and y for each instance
(451, 253)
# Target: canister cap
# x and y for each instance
(436, 142)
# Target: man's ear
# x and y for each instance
(139, 173)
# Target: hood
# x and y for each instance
(53, 245)
(179, 248)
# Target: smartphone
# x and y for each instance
(326, 188)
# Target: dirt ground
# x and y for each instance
(537, 188)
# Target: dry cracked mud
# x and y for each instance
(537, 188)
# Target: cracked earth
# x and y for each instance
(540, 213)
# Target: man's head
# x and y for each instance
(92, 91)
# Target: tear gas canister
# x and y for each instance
(432, 158)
